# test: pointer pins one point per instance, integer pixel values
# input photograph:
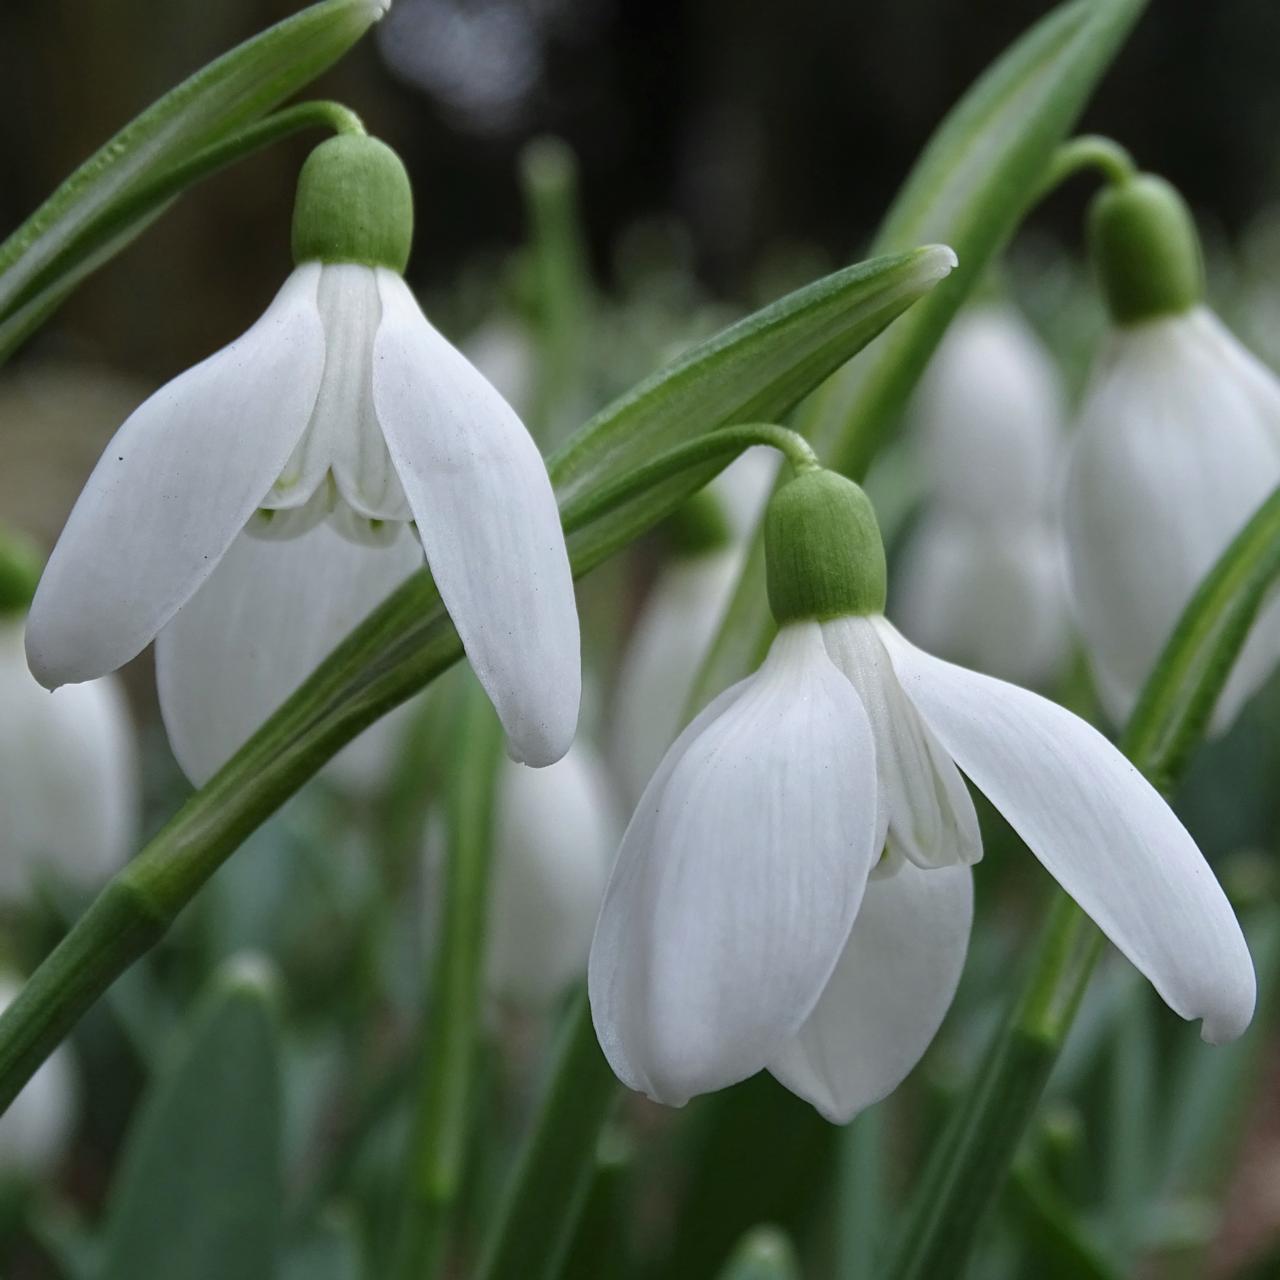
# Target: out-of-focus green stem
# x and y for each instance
(560, 283)
(438, 1144)
(969, 1164)
(1089, 151)
(863, 1206)
(545, 1196)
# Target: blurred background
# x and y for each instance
(725, 152)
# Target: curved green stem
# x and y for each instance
(1088, 151)
(969, 1165)
(139, 206)
(437, 1151)
(721, 445)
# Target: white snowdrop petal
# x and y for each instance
(177, 483)
(888, 995)
(1179, 444)
(929, 812)
(68, 776)
(489, 523)
(1100, 829)
(267, 616)
(343, 439)
(671, 637)
(557, 831)
(738, 879)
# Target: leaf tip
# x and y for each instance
(936, 262)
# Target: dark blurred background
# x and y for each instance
(755, 125)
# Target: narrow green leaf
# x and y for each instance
(227, 93)
(198, 1195)
(969, 189)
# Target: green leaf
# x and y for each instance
(755, 371)
(199, 1195)
(969, 189)
(221, 97)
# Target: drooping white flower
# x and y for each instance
(35, 1128)
(256, 506)
(793, 891)
(556, 833)
(68, 776)
(981, 580)
(1179, 444)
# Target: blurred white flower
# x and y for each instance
(35, 1129)
(989, 412)
(68, 776)
(252, 510)
(556, 834)
(743, 928)
(677, 623)
(981, 579)
(501, 350)
(990, 597)
(1179, 444)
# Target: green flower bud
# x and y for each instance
(1145, 249)
(823, 554)
(20, 568)
(354, 204)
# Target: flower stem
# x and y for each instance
(546, 1194)
(1089, 151)
(149, 198)
(725, 443)
(437, 1151)
(969, 1164)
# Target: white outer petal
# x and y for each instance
(1100, 829)
(738, 879)
(37, 1125)
(557, 832)
(887, 996)
(1179, 444)
(671, 637)
(175, 486)
(68, 776)
(489, 523)
(262, 623)
(924, 802)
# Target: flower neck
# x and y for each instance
(354, 204)
(1144, 246)
(823, 553)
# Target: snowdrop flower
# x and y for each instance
(793, 891)
(981, 579)
(255, 507)
(35, 1129)
(1179, 444)
(68, 778)
(556, 833)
